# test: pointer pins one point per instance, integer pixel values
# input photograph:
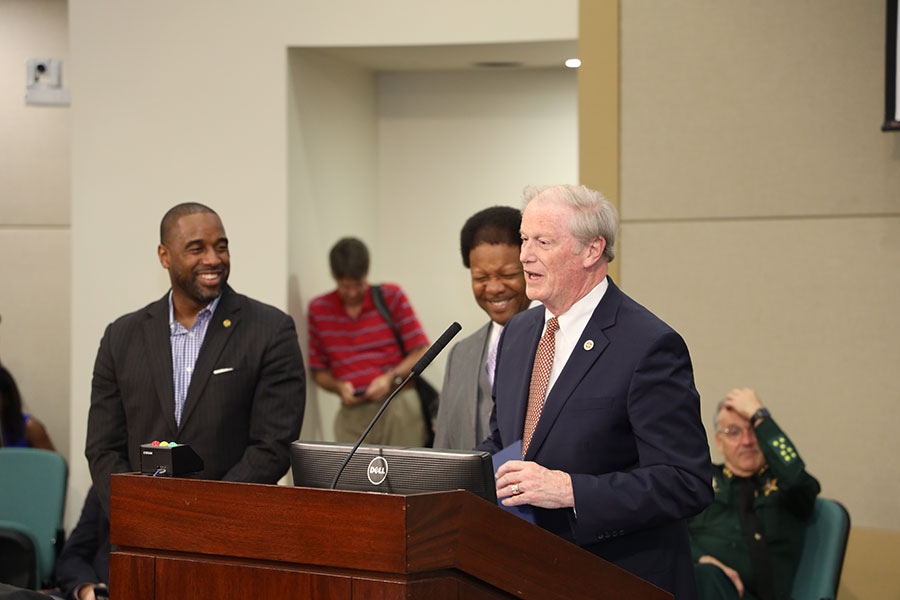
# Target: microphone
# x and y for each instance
(436, 349)
(417, 369)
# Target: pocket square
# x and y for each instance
(223, 370)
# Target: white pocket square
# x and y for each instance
(223, 370)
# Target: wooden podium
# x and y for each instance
(191, 539)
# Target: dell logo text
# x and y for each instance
(378, 469)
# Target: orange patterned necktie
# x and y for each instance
(540, 375)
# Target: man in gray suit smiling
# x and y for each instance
(203, 365)
(490, 244)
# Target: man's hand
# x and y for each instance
(731, 573)
(536, 485)
(743, 401)
(343, 389)
(348, 396)
(86, 591)
(380, 387)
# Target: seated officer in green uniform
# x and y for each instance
(746, 544)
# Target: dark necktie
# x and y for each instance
(756, 539)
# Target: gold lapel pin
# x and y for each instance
(227, 322)
(589, 344)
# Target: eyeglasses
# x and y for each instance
(736, 432)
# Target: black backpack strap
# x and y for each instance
(378, 299)
(428, 396)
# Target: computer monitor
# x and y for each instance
(393, 469)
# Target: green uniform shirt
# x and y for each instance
(784, 498)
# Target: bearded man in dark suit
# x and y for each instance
(203, 366)
(601, 393)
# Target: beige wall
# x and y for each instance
(176, 101)
(332, 116)
(761, 217)
(431, 135)
(34, 217)
(754, 181)
(449, 145)
(761, 213)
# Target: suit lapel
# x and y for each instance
(521, 344)
(481, 391)
(580, 362)
(217, 335)
(480, 352)
(158, 353)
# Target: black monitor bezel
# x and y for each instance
(423, 469)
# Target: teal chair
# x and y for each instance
(32, 500)
(822, 558)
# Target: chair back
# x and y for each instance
(34, 496)
(18, 560)
(822, 558)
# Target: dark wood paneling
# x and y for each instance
(192, 579)
(131, 577)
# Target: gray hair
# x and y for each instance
(719, 407)
(594, 217)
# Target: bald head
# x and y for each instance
(176, 212)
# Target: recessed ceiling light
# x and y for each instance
(573, 63)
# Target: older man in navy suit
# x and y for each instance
(601, 393)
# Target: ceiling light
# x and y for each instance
(573, 63)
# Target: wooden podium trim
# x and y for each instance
(395, 539)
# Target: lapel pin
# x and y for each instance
(589, 344)
(227, 322)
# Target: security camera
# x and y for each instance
(43, 71)
(43, 82)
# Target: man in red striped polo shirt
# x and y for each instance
(353, 352)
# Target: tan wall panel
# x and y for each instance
(598, 100)
(735, 111)
(755, 108)
(870, 566)
(805, 312)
